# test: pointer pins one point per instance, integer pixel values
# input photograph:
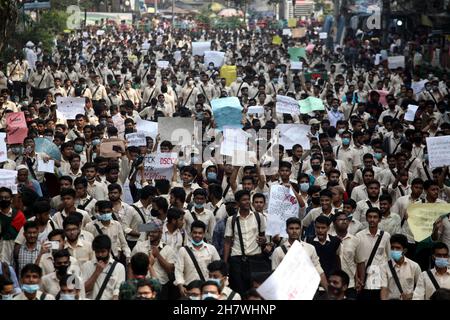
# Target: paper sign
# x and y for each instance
(292, 133)
(227, 112)
(16, 127)
(136, 139)
(107, 148)
(85, 34)
(421, 217)
(177, 56)
(119, 123)
(311, 104)
(159, 166)
(310, 47)
(8, 179)
(3, 149)
(418, 86)
(296, 53)
(145, 46)
(296, 65)
(243, 158)
(411, 112)
(438, 154)
(162, 64)
(287, 32)
(216, 57)
(287, 105)
(48, 166)
(71, 106)
(282, 205)
(100, 32)
(149, 128)
(298, 33)
(276, 40)
(234, 139)
(395, 62)
(292, 22)
(295, 278)
(229, 73)
(259, 110)
(323, 35)
(199, 48)
(178, 130)
(377, 59)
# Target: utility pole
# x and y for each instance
(173, 15)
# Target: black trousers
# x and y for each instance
(243, 269)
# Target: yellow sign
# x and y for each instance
(229, 73)
(276, 40)
(292, 23)
(421, 217)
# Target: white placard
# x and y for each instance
(149, 128)
(162, 64)
(177, 56)
(438, 154)
(234, 139)
(3, 149)
(411, 112)
(243, 158)
(418, 86)
(8, 179)
(85, 34)
(323, 35)
(295, 278)
(48, 166)
(292, 133)
(259, 110)
(159, 166)
(145, 46)
(287, 32)
(136, 139)
(395, 62)
(377, 59)
(199, 48)
(287, 105)
(70, 106)
(296, 65)
(177, 130)
(216, 57)
(282, 205)
(100, 32)
(119, 123)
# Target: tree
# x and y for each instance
(9, 16)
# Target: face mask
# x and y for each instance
(16, 150)
(199, 205)
(315, 167)
(211, 176)
(103, 122)
(96, 142)
(219, 283)
(7, 296)
(304, 186)
(105, 217)
(78, 148)
(4, 204)
(104, 259)
(124, 113)
(194, 298)
(30, 288)
(378, 155)
(210, 296)
(211, 68)
(345, 141)
(255, 83)
(197, 244)
(62, 269)
(341, 131)
(191, 82)
(315, 200)
(396, 255)
(441, 262)
(67, 296)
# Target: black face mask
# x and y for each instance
(231, 211)
(154, 213)
(129, 130)
(104, 259)
(315, 167)
(315, 200)
(4, 204)
(124, 113)
(61, 270)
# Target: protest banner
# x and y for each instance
(295, 278)
(418, 86)
(8, 179)
(323, 35)
(282, 205)
(243, 158)
(292, 22)
(227, 112)
(229, 73)
(48, 166)
(396, 62)
(234, 139)
(296, 65)
(216, 57)
(179, 131)
(119, 123)
(136, 139)
(421, 217)
(149, 128)
(298, 33)
(259, 110)
(3, 149)
(438, 147)
(311, 104)
(296, 53)
(411, 112)
(159, 166)
(276, 40)
(70, 106)
(162, 64)
(199, 47)
(287, 105)
(16, 127)
(111, 148)
(287, 32)
(291, 134)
